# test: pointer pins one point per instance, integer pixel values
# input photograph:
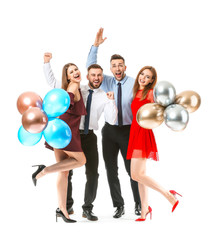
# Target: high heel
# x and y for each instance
(59, 213)
(143, 219)
(177, 202)
(40, 168)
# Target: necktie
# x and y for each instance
(120, 120)
(88, 107)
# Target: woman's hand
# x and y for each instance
(47, 57)
(110, 95)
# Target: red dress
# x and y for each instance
(142, 141)
(72, 117)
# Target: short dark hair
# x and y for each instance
(96, 66)
(116, 56)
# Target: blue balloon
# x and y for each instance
(57, 133)
(56, 102)
(27, 138)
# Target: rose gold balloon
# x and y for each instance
(34, 120)
(27, 100)
(190, 100)
(150, 115)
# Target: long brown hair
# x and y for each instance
(65, 80)
(149, 86)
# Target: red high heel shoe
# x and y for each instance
(143, 219)
(174, 193)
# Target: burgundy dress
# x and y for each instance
(72, 117)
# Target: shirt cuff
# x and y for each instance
(94, 49)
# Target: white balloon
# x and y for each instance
(176, 117)
(164, 93)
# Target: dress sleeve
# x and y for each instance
(71, 95)
(150, 96)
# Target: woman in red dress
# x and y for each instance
(142, 145)
(72, 155)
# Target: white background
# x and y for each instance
(174, 37)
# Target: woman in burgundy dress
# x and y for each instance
(142, 145)
(72, 155)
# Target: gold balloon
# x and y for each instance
(150, 115)
(190, 100)
(34, 120)
(27, 100)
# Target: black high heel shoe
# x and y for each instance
(59, 213)
(40, 168)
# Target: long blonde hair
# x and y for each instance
(65, 80)
(149, 86)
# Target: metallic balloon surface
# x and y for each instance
(27, 100)
(190, 100)
(34, 120)
(150, 115)
(28, 139)
(164, 93)
(56, 102)
(57, 133)
(176, 117)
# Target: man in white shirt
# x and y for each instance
(101, 102)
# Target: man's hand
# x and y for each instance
(99, 39)
(110, 95)
(47, 57)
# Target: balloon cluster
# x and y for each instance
(168, 107)
(39, 117)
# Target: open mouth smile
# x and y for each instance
(77, 77)
(96, 82)
(118, 74)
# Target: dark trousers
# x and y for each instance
(115, 138)
(89, 147)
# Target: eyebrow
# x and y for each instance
(146, 74)
(114, 64)
(73, 69)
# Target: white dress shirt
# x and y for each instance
(100, 102)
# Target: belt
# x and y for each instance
(117, 126)
(89, 131)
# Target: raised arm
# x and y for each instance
(92, 56)
(92, 59)
(51, 80)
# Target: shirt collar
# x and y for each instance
(95, 90)
(122, 81)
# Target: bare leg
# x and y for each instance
(65, 162)
(138, 173)
(143, 191)
(70, 160)
(62, 183)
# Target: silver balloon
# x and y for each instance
(176, 117)
(164, 93)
